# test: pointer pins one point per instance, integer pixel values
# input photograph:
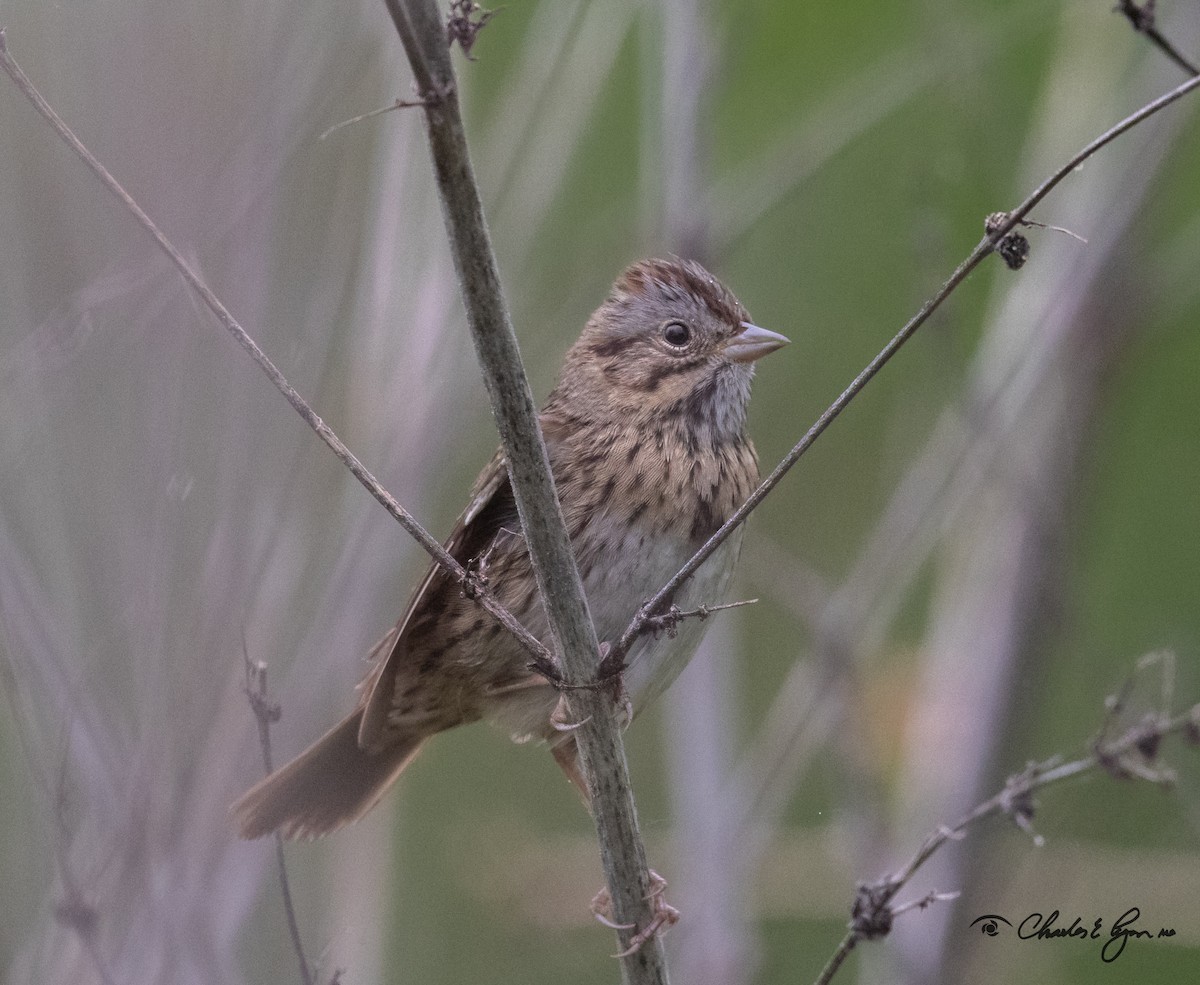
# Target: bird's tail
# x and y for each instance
(330, 784)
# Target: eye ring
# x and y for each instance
(676, 334)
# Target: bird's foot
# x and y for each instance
(663, 915)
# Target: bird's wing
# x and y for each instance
(492, 508)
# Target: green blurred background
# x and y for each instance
(970, 560)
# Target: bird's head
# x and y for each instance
(669, 340)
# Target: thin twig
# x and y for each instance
(671, 619)
(266, 712)
(398, 104)
(1142, 19)
(460, 27)
(1001, 228)
(1124, 757)
(806, 708)
(602, 752)
(323, 430)
(925, 902)
(598, 737)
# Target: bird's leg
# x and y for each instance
(566, 754)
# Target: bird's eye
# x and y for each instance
(677, 334)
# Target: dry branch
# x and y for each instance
(1132, 755)
(997, 230)
(243, 338)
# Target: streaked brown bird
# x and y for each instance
(647, 441)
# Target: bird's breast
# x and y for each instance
(639, 501)
(623, 561)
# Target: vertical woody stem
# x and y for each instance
(423, 34)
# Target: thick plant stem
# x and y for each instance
(602, 752)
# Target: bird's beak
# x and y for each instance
(753, 343)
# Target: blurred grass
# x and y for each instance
(332, 253)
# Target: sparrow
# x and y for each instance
(646, 435)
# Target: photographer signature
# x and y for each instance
(1041, 927)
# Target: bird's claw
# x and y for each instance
(562, 725)
(664, 915)
(601, 907)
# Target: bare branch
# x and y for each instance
(460, 27)
(598, 735)
(1142, 19)
(398, 104)
(670, 620)
(265, 713)
(995, 234)
(1129, 756)
(601, 749)
(924, 902)
(214, 304)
